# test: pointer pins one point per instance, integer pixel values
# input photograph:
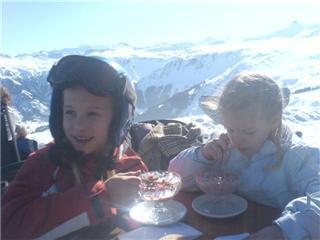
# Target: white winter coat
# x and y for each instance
(284, 187)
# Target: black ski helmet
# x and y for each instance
(100, 78)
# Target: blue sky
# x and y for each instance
(33, 26)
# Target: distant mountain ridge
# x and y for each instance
(170, 78)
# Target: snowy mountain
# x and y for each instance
(170, 78)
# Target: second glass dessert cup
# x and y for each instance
(218, 200)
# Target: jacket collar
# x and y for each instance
(267, 148)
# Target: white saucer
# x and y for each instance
(219, 207)
(142, 213)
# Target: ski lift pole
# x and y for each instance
(14, 140)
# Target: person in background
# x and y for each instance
(9, 153)
(70, 183)
(25, 145)
(278, 171)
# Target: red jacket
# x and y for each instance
(43, 200)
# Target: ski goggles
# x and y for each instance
(97, 76)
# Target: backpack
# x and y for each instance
(158, 141)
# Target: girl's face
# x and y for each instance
(246, 130)
(86, 119)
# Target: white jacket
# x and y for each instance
(284, 186)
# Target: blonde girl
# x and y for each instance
(275, 169)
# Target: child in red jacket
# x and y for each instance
(67, 185)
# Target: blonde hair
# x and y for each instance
(249, 90)
(21, 131)
(5, 96)
(259, 93)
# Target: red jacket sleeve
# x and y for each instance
(29, 212)
(130, 161)
(32, 208)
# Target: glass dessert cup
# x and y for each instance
(219, 186)
(157, 188)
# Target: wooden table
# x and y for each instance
(254, 218)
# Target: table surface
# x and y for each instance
(254, 218)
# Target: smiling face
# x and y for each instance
(246, 130)
(86, 119)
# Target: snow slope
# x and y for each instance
(170, 78)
